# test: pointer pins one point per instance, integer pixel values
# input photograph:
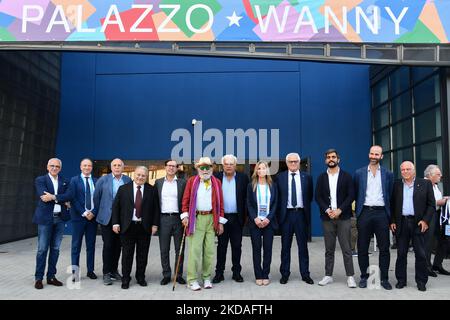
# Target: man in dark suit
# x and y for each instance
(373, 189)
(170, 192)
(334, 195)
(50, 217)
(295, 196)
(135, 216)
(81, 196)
(105, 192)
(234, 189)
(413, 206)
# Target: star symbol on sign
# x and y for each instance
(234, 19)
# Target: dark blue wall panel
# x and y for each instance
(128, 106)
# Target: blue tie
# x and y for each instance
(88, 199)
(293, 192)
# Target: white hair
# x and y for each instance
(143, 168)
(60, 162)
(293, 154)
(229, 156)
(429, 171)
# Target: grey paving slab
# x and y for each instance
(17, 263)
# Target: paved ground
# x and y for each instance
(17, 261)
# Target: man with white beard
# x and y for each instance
(203, 216)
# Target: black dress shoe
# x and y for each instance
(180, 280)
(125, 285)
(38, 284)
(284, 280)
(431, 273)
(218, 278)
(386, 285)
(400, 285)
(308, 280)
(441, 270)
(238, 278)
(91, 275)
(421, 287)
(363, 283)
(142, 283)
(165, 281)
(55, 282)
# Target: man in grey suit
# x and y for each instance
(170, 193)
(105, 192)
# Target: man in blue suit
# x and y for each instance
(50, 217)
(105, 192)
(373, 189)
(295, 196)
(81, 197)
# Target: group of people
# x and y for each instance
(213, 204)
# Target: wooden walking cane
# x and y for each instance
(179, 259)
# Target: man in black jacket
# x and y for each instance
(135, 215)
(234, 188)
(413, 206)
(334, 195)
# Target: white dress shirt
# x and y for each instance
(169, 196)
(204, 197)
(437, 195)
(374, 190)
(332, 181)
(298, 186)
(57, 207)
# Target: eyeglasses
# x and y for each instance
(54, 166)
(204, 167)
(293, 161)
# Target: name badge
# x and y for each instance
(263, 210)
(447, 230)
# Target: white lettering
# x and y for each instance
(272, 12)
(113, 11)
(148, 8)
(341, 26)
(210, 18)
(162, 27)
(396, 20)
(372, 25)
(26, 18)
(310, 22)
(59, 10)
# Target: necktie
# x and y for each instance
(293, 192)
(88, 200)
(138, 202)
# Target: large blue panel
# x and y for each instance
(128, 105)
(148, 107)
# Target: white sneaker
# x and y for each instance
(194, 286)
(207, 284)
(326, 280)
(351, 283)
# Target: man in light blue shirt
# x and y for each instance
(234, 189)
(104, 195)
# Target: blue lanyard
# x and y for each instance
(259, 194)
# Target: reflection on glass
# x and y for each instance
(380, 92)
(430, 153)
(382, 138)
(400, 80)
(426, 94)
(401, 107)
(381, 118)
(428, 125)
(402, 134)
